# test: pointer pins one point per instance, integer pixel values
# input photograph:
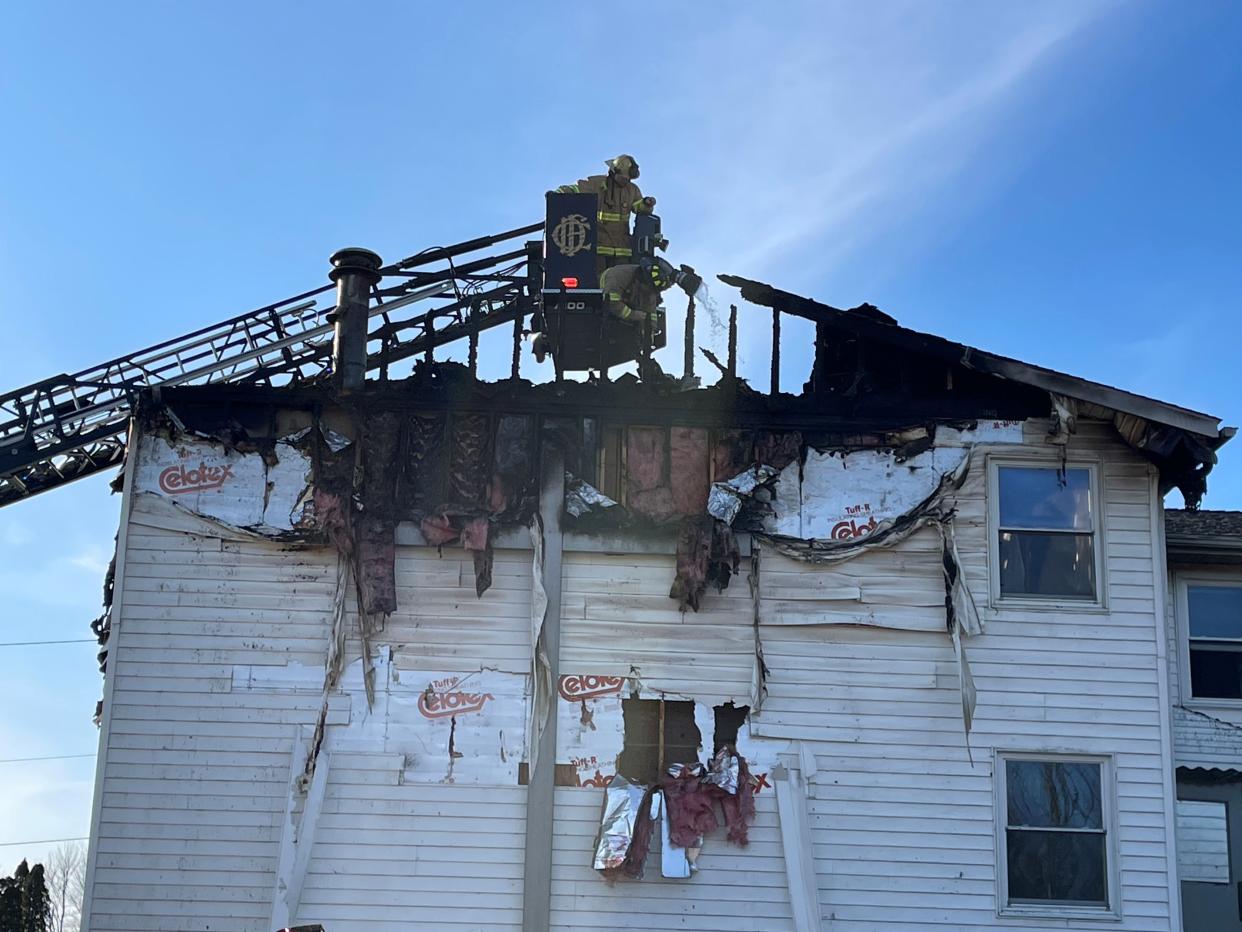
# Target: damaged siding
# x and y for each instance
(621, 627)
(217, 667)
(736, 888)
(902, 821)
(618, 620)
(217, 657)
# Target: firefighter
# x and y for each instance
(632, 292)
(618, 198)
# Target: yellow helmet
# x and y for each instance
(624, 165)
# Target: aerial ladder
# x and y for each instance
(68, 427)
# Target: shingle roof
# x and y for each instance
(1178, 522)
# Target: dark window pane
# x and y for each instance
(1042, 498)
(1034, 563)
(1060, 867)
(1049, 794)
(1215, 671)
(1215, 611)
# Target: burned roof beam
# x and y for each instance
(990, 363)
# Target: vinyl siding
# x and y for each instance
(200, 736)
(618, 620)
(196, 770)
(195, 776)
(902, 814)
(735, 889)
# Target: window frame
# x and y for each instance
(1182, 581)
(1108, 804)
(1052, 603)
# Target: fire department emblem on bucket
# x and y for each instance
(570, 235)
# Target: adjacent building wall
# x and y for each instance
(1206, 734)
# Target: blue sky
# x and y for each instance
(1057, 182)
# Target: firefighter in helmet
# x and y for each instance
(632, 291)
(618, 198)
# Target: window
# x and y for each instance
(658, 733)
(1045, 521)
(1055, 839)
(1214, 633)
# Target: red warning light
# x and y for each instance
(569, 282)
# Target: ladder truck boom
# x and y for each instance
(70, 426)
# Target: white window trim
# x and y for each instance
(1110, 913)
(1040, 460)
(1182, 581)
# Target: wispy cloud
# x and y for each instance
(93, 560)
(856, 120)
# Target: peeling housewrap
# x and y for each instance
(936, 510)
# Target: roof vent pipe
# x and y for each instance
(354, 270)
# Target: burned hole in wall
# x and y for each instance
(658, 732)
(729, 720)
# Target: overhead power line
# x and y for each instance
(38, 643)
(23, 760)
(41, 841)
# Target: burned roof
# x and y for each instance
(867, 321)
(1180, 441)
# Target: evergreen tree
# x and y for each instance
(36, 904)
(24, 901)
(11, 900)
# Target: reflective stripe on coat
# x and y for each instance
(616, 203)
(628, 294)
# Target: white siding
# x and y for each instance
(735, 888)
(196, 774)
(618, 620)
(413, 838)
(200, 735)
(1202, 841)
(902, 820)
(393, 856)
(440, 624)
(1206, 739)
(195, 777)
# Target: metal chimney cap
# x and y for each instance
(354, 260)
